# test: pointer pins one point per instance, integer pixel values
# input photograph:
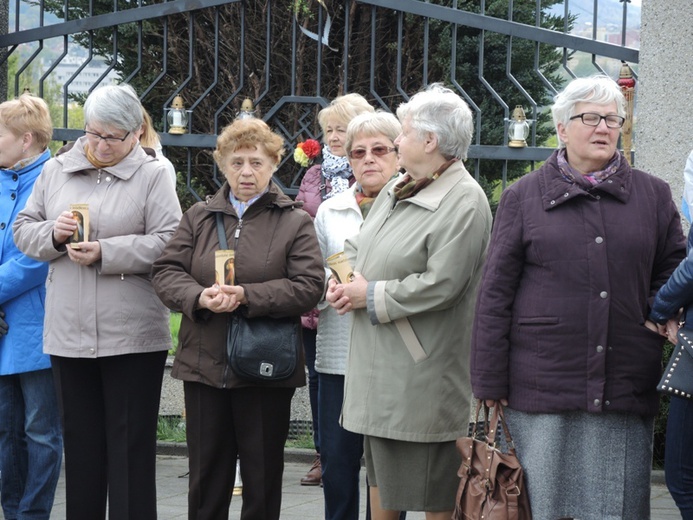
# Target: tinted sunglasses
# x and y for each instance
(378, 151)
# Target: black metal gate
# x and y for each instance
(291, 57)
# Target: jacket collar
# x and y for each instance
(556, 189)
(433, 194)
(37, 164)
(272, 197)
(74, 160)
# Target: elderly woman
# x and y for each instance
(418, 260)
(31, 448)
(560, 333)
(278, 274)
(320, 183)
(372, 154)
(105, 329)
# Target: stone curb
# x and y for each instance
(306, 456)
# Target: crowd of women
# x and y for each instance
(559, 315)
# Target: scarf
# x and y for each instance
(408, 187)
(241, 206)
(25, 162)
(592, 178)
(365, 202)
(93, 160)
(337, 170)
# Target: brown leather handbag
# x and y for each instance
(492, 485)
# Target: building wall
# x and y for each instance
(664, 127)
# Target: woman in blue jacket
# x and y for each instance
(30, 438)
(677, 293)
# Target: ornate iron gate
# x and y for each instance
(291, 57)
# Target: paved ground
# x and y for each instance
(299, 502)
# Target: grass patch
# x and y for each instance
(305, 440)
(170, 429)
(175, 327)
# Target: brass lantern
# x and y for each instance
(177, 117)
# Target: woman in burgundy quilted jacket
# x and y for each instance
(560, 334)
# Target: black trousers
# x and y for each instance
(250, 423)
(109, 410)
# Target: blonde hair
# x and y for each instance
(371, 125)
(248, 133)
(344, 109)
(28, 114)
(148, 137)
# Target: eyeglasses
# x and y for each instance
(592, 119)
(107, 140)
(378, 151)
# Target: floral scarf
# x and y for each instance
(337, 170)
(592, 178)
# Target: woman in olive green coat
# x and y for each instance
(418, 257)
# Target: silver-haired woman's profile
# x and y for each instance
(105, 329)
(418, 257)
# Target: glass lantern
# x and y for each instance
(177, 117)
(518, 128)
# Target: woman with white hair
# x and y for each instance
(105, 329)
(578, 249)
(417, 264)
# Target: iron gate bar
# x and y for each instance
(102, 21)
(488, 23)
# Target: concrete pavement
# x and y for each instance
(298, 502)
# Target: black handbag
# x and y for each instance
(261, 349)
(677, 379)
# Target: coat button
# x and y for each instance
(92, 351)
(603, 295)
(607, 403)
(597, 402)
(599, 240)
(600, 348)
(566, 194)
(2, 225)
(15, 177)
(13, 196)
(553, 202)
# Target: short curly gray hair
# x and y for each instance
(114, 106)
(440, 111)
(598, 89)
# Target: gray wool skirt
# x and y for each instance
(583, 465)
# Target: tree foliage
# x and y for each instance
(216, 57)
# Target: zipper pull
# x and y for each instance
(238, 229)
(98, 178)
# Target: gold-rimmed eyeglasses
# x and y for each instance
(378, 151)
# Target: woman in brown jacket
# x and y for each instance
(279, 273)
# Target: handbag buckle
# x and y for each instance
(266, 369)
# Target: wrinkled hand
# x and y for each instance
(345, 297)
(87, 254)
(671, 330)
(335, 297)
(4, 327)
(64, 227)
(222, 298)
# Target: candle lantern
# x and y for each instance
(518, 128)
(247, 109)
(177, 117)
(627, 84)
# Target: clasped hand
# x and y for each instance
(345, 297)
(222, 298)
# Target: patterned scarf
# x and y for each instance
(25, 162)
(337, 170)
(93, 160)
(409, 187)
(592, 178)
(365, 203)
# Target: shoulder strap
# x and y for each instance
(220, 230)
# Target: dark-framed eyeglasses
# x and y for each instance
(378, 151)
(592, 119)
(108, 139)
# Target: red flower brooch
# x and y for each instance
(306, 151)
